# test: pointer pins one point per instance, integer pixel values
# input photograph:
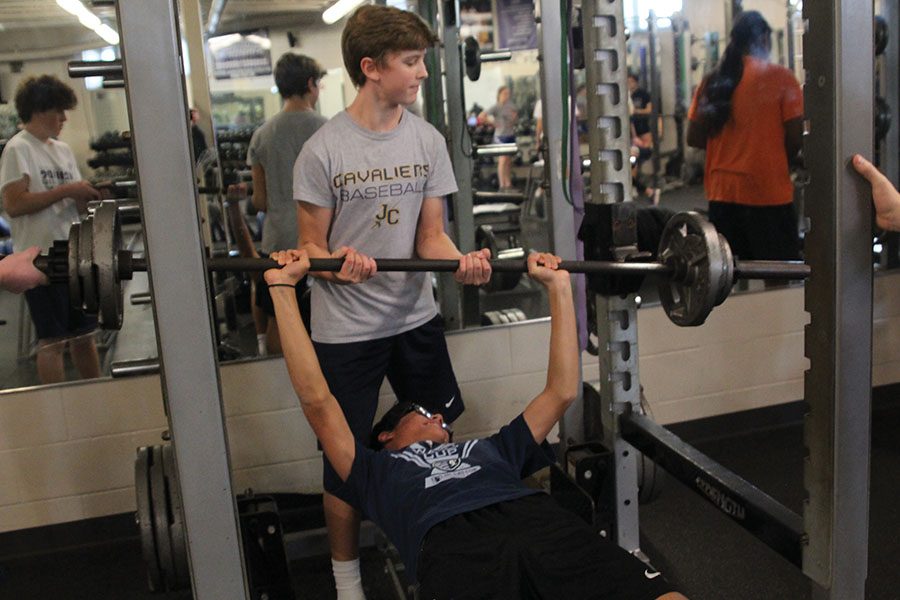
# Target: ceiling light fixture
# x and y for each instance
(339, 9)
(90, 20)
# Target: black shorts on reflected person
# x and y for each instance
(53, 316)
(529, 549)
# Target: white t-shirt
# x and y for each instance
(48, 165)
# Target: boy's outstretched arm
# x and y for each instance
(563, 369)
(320, 407)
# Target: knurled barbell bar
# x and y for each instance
(695, 266)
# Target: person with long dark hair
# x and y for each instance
(748, 116)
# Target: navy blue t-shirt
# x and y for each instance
(409, 491)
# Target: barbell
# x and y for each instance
(695, 267)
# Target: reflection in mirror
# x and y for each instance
(670, 55)
(41, 152)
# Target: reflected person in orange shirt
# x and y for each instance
(748, 116)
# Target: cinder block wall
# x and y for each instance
(66, 452)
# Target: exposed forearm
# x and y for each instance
(299, 354)
(239, 229)
(27, 203)
(563, 372)
(315, 250)
(436, 246)
(258, 198)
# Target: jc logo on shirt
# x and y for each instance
(391, 216)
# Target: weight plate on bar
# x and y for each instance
(472, 58)
(691, 247)
(107, 239)
(727, 281)
(176, 520)
(502, 244)
(161, 518)
(75, 299)
(144, 518)
(86, 267)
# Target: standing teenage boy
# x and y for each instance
(43, 194)
(371, 182)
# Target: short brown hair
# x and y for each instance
(374, 31)
(293, 72)
(40, 94)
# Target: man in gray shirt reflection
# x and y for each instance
(273, 150)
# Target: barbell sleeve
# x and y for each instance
(770, 269)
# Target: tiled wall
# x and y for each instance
(66, 452)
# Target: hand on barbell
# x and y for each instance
(294, 265)
(357, 266)
(18, 273)
(81, 192)
(474, 268)
(884, 195)
(543, 267)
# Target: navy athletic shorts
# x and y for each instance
(529, 549)
(52, 315)
(416, 364)
(758, 232)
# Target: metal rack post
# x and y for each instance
(157, 105)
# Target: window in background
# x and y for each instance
(108, 53)
(637, 11)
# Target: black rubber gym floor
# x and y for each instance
(702, 552)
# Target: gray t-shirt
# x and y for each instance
(375, 183)
(504, 118)
(275, 146)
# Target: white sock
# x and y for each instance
(347, 579)
(261, 344)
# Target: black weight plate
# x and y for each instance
(690, 245)
(161, 518)
(472, 58)
(727, 280)
(144, 517)
(882, 35)
(107, 239)
(176, 524)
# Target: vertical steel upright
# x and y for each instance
(461, 156)
(433, 96)
(837, 54)
(890, 158)
(610, 140)
(157, 105)
(552, 35)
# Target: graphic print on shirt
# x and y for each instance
(381, 183)
(386, 214)
(52, 178)
(445, 461)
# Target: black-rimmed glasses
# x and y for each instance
(427, 414)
